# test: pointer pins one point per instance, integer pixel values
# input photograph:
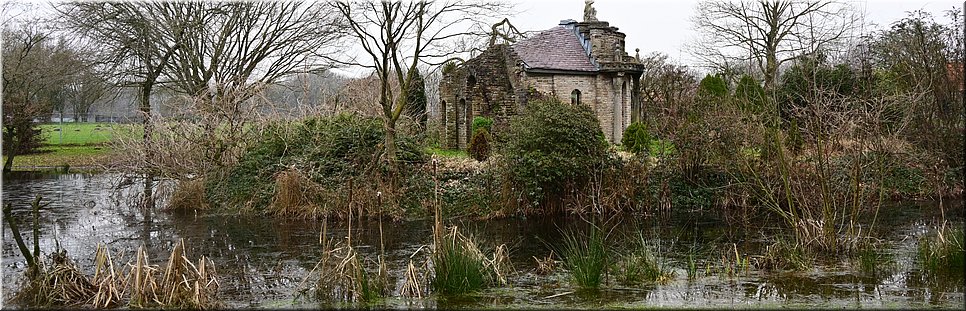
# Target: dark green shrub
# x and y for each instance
(636, 139)
(479, 147)
(329, 150)
(712, 87)
(750, 96)
(553, 147)
(482, 123)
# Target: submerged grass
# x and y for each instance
(642, 265)
(782, 255)
(871, 260)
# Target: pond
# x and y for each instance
(262, 261)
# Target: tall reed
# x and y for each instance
(942, 254)
(586, 257)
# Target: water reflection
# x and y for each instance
(261, 261)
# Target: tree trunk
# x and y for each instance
(391, 145)
(8, 164)
(145, 107)
(11, 150)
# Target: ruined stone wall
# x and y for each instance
(481, 86)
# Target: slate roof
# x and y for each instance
(557, 48)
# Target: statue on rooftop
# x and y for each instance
(590, 14)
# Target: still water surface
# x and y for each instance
(261, 261)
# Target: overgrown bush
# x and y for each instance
(553, 148)
(479, 147)
(482, 123)
(330, 153)
(636, 139)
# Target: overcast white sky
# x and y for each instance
(665, 25)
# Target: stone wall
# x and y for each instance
(482, 86)
(602, 92)
(495, 85)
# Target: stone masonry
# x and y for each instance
(581, 63)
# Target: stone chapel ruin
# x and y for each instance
(582, 63)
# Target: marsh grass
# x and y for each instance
(586, 257)
(189, 195)
(460, 266)
(642, 265)
(942, 254)
(691, 264)
(728, 262)
(871, 260)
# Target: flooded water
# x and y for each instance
(262, 261)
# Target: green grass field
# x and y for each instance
(73, 144)
(447, 153)
(79, 133)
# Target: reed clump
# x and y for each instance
(344, 274)
(586, 257)
(292, 195)
(189, 195)
(942, 254)
(57, 283)
(183, 285)
(642, 265)
(546, 265)
(460, 266)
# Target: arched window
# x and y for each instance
(575, 97)
(471, 81)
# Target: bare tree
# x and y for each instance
(241, 46)
(399, 36)
(137, 40)
(32, 74)
(237, 49)
(767, 33)
(84, 90)
(665, 86)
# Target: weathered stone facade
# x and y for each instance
(577, 62)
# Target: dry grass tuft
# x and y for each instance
(106, 280)
(189, 195)
(60, 284)
(546, 265)
(292, 191)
